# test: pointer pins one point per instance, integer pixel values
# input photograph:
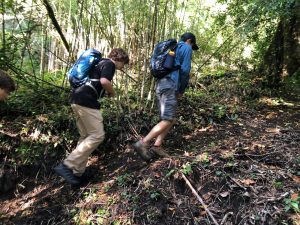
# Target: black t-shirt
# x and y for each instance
(85, 95)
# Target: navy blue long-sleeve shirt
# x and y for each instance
(184, 60)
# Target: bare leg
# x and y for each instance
(161, 128)
(159, 140)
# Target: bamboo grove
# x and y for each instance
(41, 39)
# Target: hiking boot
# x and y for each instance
(67, 174)
(159, 151)
(88, 175)
(142, 151)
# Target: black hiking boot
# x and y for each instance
(142, 151)
(67, 174)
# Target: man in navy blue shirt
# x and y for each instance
(168, 90)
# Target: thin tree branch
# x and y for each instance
(55, 24)
(199, 199)
(19, 72)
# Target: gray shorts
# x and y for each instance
(166, 96)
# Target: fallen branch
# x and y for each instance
(273, 199)
(199, 199)
(237, 183)
(225, 217)
(11, 135)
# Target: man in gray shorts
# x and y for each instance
(168, 90)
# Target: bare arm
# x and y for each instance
(107, 85)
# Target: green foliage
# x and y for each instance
(219, 173)
(291, 84)
(90, 194)
(204, 158)
(37, 101)
(28, 154)
(43, 118)
(171, 172)
(123, 180)
(154, 195)
(278, 184)
(224, 30)
(252, 24)
(219, 111)
(298, 160)
(292, 203)
(187, 168)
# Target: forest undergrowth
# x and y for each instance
(235, 142)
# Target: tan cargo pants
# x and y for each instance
(90, 126)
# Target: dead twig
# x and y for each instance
(199, 199)
(132, 128)
(225, 217)
(237, 183)
(273, 199)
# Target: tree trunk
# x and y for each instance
(282, 59)
(3, 28)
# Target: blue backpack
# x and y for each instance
(78, 74)
(162, 59)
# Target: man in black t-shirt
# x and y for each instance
(89, 121)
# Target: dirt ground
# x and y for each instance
(246, 171)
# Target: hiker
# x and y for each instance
(89, 121)
(169, 90)
(7, 85)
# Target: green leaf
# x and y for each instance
(295, 206)
(187, 169)
(287, 208)
(170, 172)
(218, 173)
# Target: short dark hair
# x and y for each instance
(6, 82)
(118, 54)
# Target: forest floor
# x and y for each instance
(246, 170)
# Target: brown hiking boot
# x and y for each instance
(159, 151)
(141, 149)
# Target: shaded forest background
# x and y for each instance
(248, 58)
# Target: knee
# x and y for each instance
(173, 120)
(169, 121)
(99, 137)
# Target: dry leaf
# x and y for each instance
(187, 154)
(294, 196)
(179, 202)
(157, 175)
(203, 213)
(273, 130)
(248, 182)
(187, 137)
(296, 179)
(224, 194)
(271, 115)
(246, 194)
(203, 129)
(206, 196)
